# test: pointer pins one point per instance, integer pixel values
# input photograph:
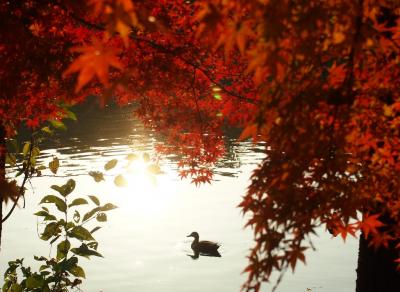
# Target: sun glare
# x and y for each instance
(148, 190)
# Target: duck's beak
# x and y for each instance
(189, 235)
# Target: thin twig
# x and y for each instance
(22, 188)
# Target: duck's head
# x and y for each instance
(193, 234)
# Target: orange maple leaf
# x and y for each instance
(297, 254)
(337, 74)
(380, 240)
(343, 230)
(95, 60)
(370, 224)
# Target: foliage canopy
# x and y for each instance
(317, 80)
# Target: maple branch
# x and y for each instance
(172, 52)
(350, 76)
(198, 108)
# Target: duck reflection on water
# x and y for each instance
(203, 247)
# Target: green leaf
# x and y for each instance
(69, 187)
(69, 263)
(12, 145)
(97, 175)
(84, 251)
(58, 189)
(217, 96)
(60, 204)
(110, 164)
(46, 215)
(25, 149)
(62, 249)
(11, 159)
(77, 271)
(108, 207)
(41, 213)
(54, 165)
(77, 216)
(95, 229)
(120, 181)
(93, 245)
(49, 218)
(19, 172)
(41, 167)
(79, 201)
(70, 225)
(49, 231)
(43, 267)
(65, 189)
(45, 273)
(15, 288)
(47, 130)
(101, 217)
(35, 151)
(41, 258)
(89, 214)
(81, 233)
(34, 281)
(58, 125)
(95, 200)
(70, 115)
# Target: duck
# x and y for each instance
(204, 247)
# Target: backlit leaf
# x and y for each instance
(110, 164)
(101, 217)
(60, 204)
(97, 175)
(78, 201)
(95, 60)
(120, 181)
(62, 249)
(80, 233)
(95, 200)
(54, 165)
(77, 271)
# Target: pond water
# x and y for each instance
(144, 242)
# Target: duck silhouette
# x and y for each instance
(204, 247)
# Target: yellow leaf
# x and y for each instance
(110, 164)
(120, 181)
(387, 111)
(54, 165)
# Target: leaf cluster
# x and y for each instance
(64, 227)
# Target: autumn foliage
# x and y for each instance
(317, 80)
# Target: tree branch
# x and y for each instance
(172, 52)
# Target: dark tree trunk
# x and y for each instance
(2, 172)
(376, 271)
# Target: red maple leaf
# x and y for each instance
(95, 60)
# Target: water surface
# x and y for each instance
(144, 242)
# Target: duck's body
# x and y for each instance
(204, 246)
